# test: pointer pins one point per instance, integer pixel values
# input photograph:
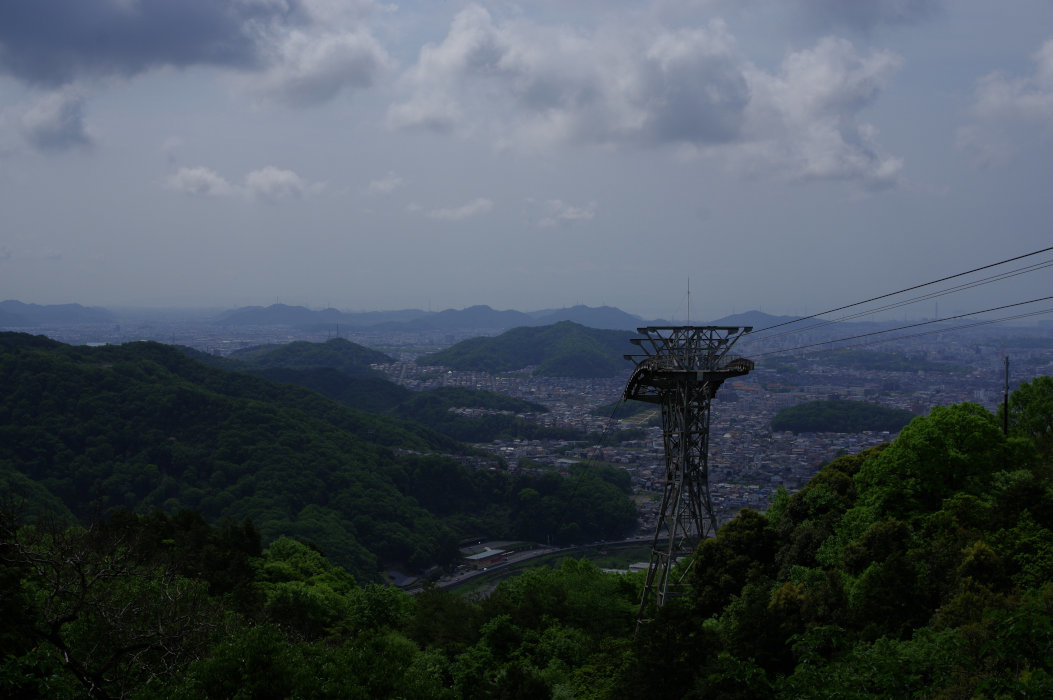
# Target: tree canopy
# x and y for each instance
(839, 416)
(564, 349)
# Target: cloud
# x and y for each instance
(528, 86)
(1026, 100)
(55, 122)
(385, 185)
(200, 182)
(274, 184)
(310, 68)
(803, 121)
(467, 211)
(270, 184)
(552, 84)
(53, 42)
(557, 211)
(297, 52)
(1006, 108)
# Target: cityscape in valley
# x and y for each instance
(748, 460)
(386, 505)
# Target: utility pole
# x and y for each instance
(1005, 401)
(680, 368)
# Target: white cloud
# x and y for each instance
(467, 211)
(55, 122)
(528, 86)
(552, 84)
(269, 183)
(803, 121)
(310, 67)
(200, 182)
(1023, 100)
(273, 184)
(557, 211)
(1007, 108)
(385, 185)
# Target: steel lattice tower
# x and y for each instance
(680, 369)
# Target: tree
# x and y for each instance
(108, 620)
(1031, 414)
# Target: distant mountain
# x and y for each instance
(565, 349)
(15, 314)
(279, 315)
(11, 320)
(337, 353)
(479, 317)
(593, 317)
(473, 317)
(756, 319)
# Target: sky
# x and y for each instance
(676, 159)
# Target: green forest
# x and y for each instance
(564, 349)
(839, 416)
(921, 568)
(143, 426)
(173, 529)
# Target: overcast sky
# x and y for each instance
(782, 155)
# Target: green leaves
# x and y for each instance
(564, 349)
(1031, 414)
(837, 416)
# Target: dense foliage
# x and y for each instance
(838, 416)
(589, 504)
(917, 569)
(143, 426)
(564, 349)
(921, 568)
(336, 353)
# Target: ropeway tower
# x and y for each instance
(680, 368)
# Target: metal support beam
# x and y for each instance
(680, 368)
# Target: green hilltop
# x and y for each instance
(564, 349)
(336, 353)
(143, 426)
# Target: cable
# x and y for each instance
(903, 291)
(900, 328)
(924, 297)
(947, 330)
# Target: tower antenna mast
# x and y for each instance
(680, 368)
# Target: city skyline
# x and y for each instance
(782, 156)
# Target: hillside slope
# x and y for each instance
(142, 426)
(564, 349)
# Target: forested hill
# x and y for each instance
(336, 353)
(839, 416)
(564, 349)
(143, 426)
(921, 569)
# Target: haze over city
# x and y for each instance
(787, 156)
